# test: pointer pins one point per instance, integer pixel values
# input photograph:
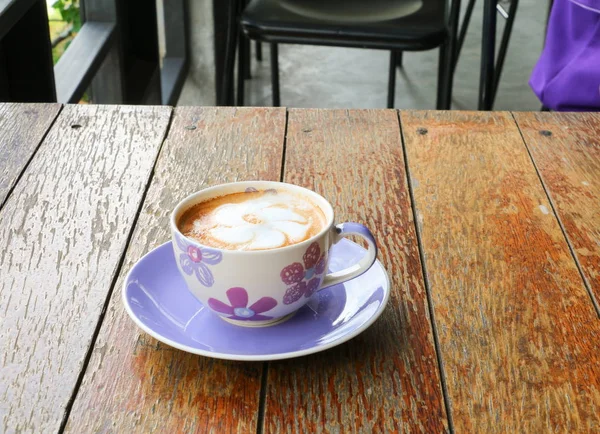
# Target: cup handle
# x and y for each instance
(341, 231)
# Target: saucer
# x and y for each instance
(157, 299)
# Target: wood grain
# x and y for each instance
(22, 127)
(63, 231)
(135, 384)
(566, 151)
(386, 379)
(519, 338)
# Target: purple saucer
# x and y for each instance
(157, 299)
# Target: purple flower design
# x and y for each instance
(254, 190)
(194, 260)
(239, 310)
(304, 280)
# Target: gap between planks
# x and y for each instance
(90, 350)
(264, 383)
(336, 396)
(560, 222)
(436, 341)
(30, 159)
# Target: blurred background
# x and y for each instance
(174, 51)
(313, 76)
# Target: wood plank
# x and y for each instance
(518, 335)
(138, 38)
(566, 151)
(175, 64)
(386, 379)
(22, 128)
(30, 77)
(176, 18)
(172, 76)
(135, 384)
(79, 64)
(107, 84)
(11, 11)
(63, 231)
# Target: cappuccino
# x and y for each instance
(253, 220)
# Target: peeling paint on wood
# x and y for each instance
(22, 127)
(63, 231)
(135, 384)
(569, 164)
(386, 379)
(518, 335)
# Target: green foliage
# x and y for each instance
(61, 36)
(69, 12)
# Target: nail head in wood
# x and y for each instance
(422, 131)
(546, 133)
(190, 127)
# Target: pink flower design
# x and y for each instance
(304, 280)
(239, 310)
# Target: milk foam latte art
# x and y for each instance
(253, 220)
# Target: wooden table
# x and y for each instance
(489, 226)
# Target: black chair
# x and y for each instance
(491, 62)
(395, 25)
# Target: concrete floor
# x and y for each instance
(331, 77)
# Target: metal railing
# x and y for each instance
(115, 54)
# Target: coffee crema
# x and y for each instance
(253, 220)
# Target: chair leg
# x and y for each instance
(512, 13)
(247, 48)
(275, 75)
(247, 58)
(447, 62)
(392, 78)
(399, 55)
(444, 90)
(227, 97)
(550, 4)
(258, 47)
(241, 69)
(488, 49)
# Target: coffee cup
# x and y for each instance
(263, 287)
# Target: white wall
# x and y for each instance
(199, 86)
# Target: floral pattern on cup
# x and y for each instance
(238, 308)
(303, 280)
(195, 260)
(254, 190)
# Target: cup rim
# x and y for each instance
(188, 202)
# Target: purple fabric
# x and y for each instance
(567, 75)
(592, 5)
